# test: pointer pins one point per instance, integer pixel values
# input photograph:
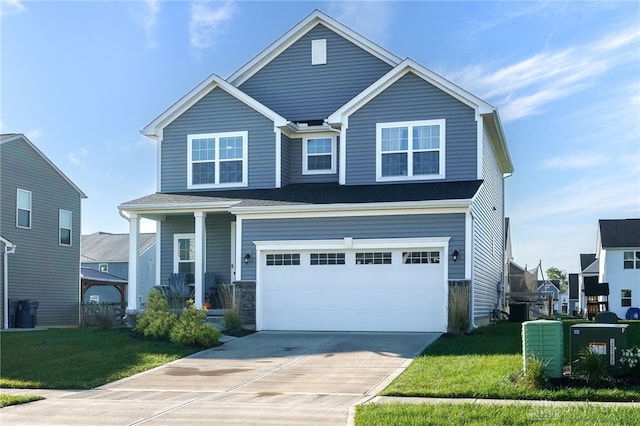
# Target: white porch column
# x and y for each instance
(199, 267)
(132, 286)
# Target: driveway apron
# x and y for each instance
(265, 378)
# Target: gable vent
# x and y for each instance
(319, 52)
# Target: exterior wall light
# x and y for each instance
(247, 258)
(454, 255)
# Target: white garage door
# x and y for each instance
(353, 290)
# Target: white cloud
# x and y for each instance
(149, 22)
(525, 88)
(371, 19)
(207, 19)
(33, 134)
(79, 158)
(574, 162)
(11, 7)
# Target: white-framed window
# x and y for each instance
(410, 150)
(319, 155)
(65, 217)
(104, 267)
(23, 208)
(283, 259)
(184, 255)
(319, 51)
(625, 298)
(631, 259)
(217, 160)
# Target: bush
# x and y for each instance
(534, 377)
(232, 321)
(157, 320)
(459, 308)
(631, 360)
(192, 329)
(589, 366)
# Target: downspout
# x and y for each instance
(9, 248)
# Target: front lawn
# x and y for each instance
(485, 364)
(79, 358)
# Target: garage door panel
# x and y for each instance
(357, 297)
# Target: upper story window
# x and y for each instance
(217, 160)
(319, 52)
(319, 155)
(23, 209)
(632, 259)
(103, 267)
(65, 219)
(410, 150)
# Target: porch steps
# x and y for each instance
(215, 317)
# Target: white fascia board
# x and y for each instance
(406, 66)
(345, 209)
(498, 140)
(299, 30)
(19, 136)
(354, 244)
(200, 91)
(170, 208)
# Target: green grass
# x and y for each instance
(6, 400)
(491, 414)
(485, 364)
(79, 358)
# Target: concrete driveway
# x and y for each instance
(265, 378)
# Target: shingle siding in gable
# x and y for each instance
(218, 112)
(410, 99)
(40, 269)
(299, 91)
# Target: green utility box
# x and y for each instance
(607, 340)
(543, 340)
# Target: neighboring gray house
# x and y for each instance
(39, 233)
(347, 187)
(109, 253)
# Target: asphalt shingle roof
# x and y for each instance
(105, 247)
(620, 233)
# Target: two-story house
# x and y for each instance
(39, 233)
(348, 185)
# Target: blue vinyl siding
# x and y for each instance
(322, 228)
(299, 91)
(218, 243)
(218, 112)
(411, 99)
(285, 170)
(296, 163)
(488, 232)
(40, 269)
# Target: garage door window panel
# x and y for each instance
(420, 257)
(373, 258)
(327, 258)
(283, 259)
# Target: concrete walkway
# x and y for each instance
(265, 378)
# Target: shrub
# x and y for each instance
(459, 308)
(534, 376)
(192, 329)
(589, 366)
(630, 359)
(232, 321)
(101, 315)
(157, 320)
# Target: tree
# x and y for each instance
(554, 273)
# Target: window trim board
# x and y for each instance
(244, 134)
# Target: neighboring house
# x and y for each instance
(618, 258)
(344, 187)
(546, 289)
(574, 295)
(109, 253)
(40, 227)
(588, 276)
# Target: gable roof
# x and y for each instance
(619, 233)
(294, 34)
(105, 247)
(488, 112)
(154, 129)
(11, 137)
(586, 259)
(88, 274)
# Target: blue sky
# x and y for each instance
(80, 79)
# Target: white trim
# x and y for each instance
(18, 136)
(176, 248)
(468, 244)
(278, 177)
(9, 248)
(60, 228)
(30, 209)
(158, 251)
(349, 243)
(200, 256)
(479, 146)
(298, 31)
(233, 251)
(342, 169)
(132, 286)
(239, 249)
(217, 160)
(305, 163)
(159, 141)
(441, 123)
(154, 128)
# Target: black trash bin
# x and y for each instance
(13, 307)
(33, 310)
(23, 315)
